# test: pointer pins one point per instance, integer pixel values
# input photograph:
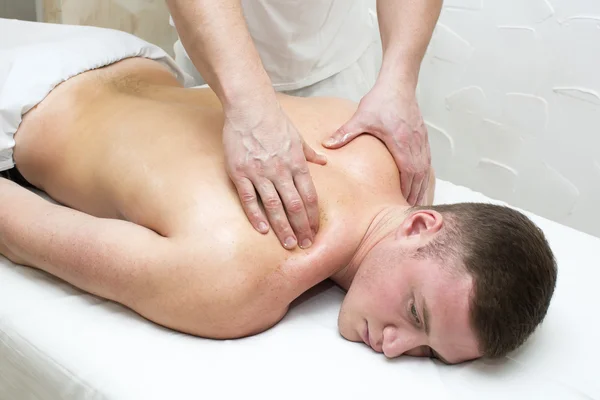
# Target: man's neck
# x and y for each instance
(383, 224)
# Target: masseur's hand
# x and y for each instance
(392, 114)
(266, 157)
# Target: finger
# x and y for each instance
(345, 134)
(296, 211)
(415, 188)
(249, 201)
(404, 153)
(406, 179)
(422, 197)
(420, 181)
(308, 192)
(276, 214)
(312, 156)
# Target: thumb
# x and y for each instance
(312, 156)
(344, 135)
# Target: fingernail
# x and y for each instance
(306, 243)
(330, 142)
(289, 242)
(262, 227)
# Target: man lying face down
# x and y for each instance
(148, 218)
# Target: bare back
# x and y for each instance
(128, 142)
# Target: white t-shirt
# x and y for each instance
(302, 42)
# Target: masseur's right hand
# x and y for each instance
(267, 158)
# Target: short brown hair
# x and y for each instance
(513, 269)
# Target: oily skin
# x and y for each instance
(188, 260)
(399, 304)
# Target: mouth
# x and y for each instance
(365, 336)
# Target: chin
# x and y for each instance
(350, 335)
(347, 329)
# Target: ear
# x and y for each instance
(420, 223)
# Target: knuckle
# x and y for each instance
(342, 130)
(272, 203)
(258, 167)
(280, 166)
(295, 206)
(312, 198)
(239, 168)
(248, 198)
(301, 168)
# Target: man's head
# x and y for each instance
(455, 281)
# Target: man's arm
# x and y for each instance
(406, 27)
(390, 110)
(265, 155)
(122, 262)
(110, 258)
(216, 38)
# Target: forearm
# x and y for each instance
(215, 36)
(109, 258)
(406, 28)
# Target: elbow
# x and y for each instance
(235, 312)
(222, 320)
(259, 322)
(243, 322)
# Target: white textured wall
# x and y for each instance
(510, 90)
(147, 19)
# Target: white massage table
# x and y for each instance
(57, 342)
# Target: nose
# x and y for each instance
(397, 342)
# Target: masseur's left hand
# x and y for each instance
(391, 113)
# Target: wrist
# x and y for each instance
(250, 103)
(400, 71)
(247, 96)
(251, 107)
(396, 88)
(252, 87)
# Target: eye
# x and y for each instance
(413, 311)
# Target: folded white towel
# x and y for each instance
(28, 72)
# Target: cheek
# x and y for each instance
(383, 296)
(393, 296)
(362, 287)
(379, 288)
(360, 301)
(389, 302)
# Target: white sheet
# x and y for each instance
(31, 66)
(57, 342)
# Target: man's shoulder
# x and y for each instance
(317, 117)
